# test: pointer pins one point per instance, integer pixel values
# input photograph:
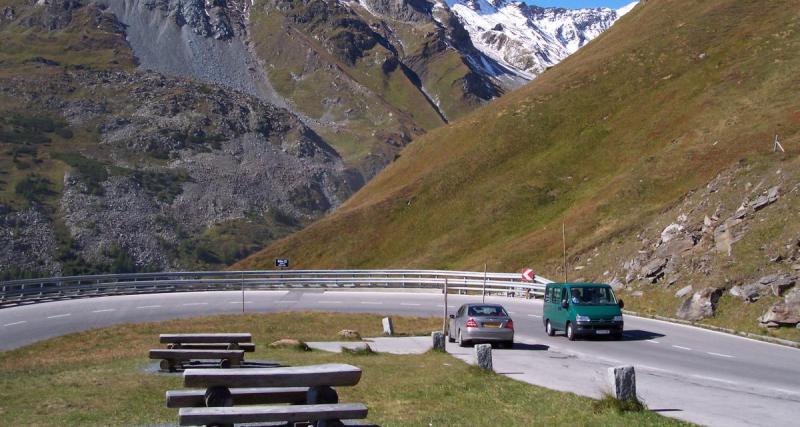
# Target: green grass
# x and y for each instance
(59, 382)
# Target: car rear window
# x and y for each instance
(487, 310)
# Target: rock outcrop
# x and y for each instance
(786, 313)
(700, 305)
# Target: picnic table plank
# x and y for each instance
(241, 396)
(206, 338)
(246, 346)
(260, 413)
(182, 354)
(333, 374)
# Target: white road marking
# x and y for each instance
(105, 310)
(410, 304)
(654, 341)
(371, 302)
(148, 306)
(286, 302)
(240, 302)
(195, 303)
(59, 315)
(682, 348)
(329, 302)
(16, 323)
(535, 315)
(511, 313)
(719, 354)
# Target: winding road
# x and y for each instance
(684, 372)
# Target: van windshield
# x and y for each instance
(592, 296)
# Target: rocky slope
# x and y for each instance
(109, 168)
(668, 118)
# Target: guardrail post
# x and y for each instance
(444, 319)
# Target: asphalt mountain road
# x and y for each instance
(689, 373)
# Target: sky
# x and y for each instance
(576, 4)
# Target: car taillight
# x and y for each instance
(510, 324)
(471, 323)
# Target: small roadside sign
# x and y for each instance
(281, 262)
(528, 275)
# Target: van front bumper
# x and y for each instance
(613, 328)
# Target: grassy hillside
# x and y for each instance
(675, 93)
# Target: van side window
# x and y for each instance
(547, 293)
(556, 295)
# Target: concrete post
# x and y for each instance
(622, 380)
(483, 355)
(388, 326)
(438, 341)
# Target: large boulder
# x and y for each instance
(700, 305)
(776, 283)
(767, 198)
(654, 269)
(786, 313)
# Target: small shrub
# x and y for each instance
(93, 172)
(33, 188)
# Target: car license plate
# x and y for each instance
(491, 325)
(602, 332)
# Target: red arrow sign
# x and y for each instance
(528, 275)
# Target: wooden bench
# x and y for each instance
(172, 359)
(233, 341)
(228, 387)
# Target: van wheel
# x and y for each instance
(570, 332)
(549, 328)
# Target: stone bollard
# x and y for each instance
(483, 354)
(438, 341)
(622, 380)
(388, 326)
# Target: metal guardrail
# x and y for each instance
(18, 292)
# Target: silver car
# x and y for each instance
(476, 322)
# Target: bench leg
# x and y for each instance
(168, 365)
(321, 395)
(218, 396)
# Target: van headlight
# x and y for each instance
(618, 318)
(582, 319)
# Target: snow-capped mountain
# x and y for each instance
(530, 38)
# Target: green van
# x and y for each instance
(582, 309)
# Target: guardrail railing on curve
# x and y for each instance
(17, 292)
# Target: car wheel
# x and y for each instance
(508, 344)
(570, 332)
(549, 329)
(461, 342)
(450, 336)
(617, 337)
